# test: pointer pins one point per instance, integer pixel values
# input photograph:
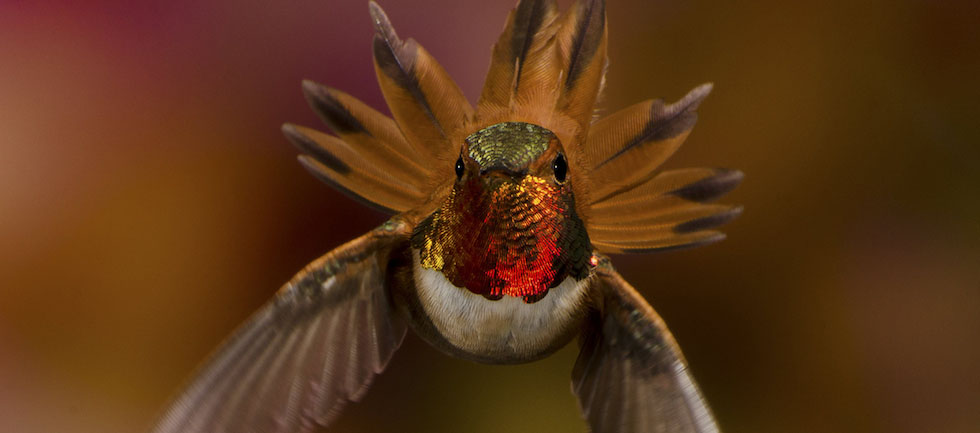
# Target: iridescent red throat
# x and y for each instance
(499, 236)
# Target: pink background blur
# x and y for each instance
(148, 204)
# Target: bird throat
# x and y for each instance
(505, 237)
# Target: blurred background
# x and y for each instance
(148, 204)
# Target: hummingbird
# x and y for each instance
(502, 216)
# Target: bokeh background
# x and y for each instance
(148, 204)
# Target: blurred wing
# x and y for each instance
(297, 361)
(630, 375)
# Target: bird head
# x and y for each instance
(509, 225)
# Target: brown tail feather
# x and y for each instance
(547, 69)
(627, 147)
(700, 185)
(665, 223)
(362, 187)
(355, 122)
(347, 155)
(642, 211)
(366, 177)
(421, 95)
(523, 55)
(582, 42)
(669, 210)
(670, 243)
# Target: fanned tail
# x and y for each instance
(547, 69)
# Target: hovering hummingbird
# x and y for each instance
(494, 253)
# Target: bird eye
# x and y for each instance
(560, 166)
(460, 167)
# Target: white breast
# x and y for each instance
(505, 326)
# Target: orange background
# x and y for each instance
(148, 204)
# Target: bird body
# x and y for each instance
(507, 330)
(495, 252)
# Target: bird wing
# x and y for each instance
(317, 344)
(630, 375)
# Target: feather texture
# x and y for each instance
(664, 222)
(666, 212)
(332, 161)
(311, 349)
(371, 162)
(630, 376)
(424, 100)
(318, 344)
(692, 184)
(523, 58)
(582, 42)
(323, 174)
(358, 124)
(627, 147)
(547, 69)
(672, 242)
(664, 230)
